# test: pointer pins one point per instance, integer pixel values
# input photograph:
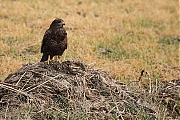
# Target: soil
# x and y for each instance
(74, 90)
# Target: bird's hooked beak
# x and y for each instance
(63, 23)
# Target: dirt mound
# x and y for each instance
(169, 95)
(70, 90)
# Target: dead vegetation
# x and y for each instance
(74, 90)
(116, 34)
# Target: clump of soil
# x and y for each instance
(169, 95)
(70, 90)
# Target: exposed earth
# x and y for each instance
(74, 90)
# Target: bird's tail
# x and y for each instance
(44, 58)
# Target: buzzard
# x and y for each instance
(54, 42)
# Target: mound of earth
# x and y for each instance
(169, 95)
(70, 90)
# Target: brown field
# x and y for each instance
(119, 36)
(122, 37)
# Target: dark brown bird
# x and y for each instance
(54, 42)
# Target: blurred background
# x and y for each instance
(121, 37)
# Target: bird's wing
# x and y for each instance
(65, 38)
(66, 43)
(45, 39)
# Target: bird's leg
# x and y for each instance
(49, 59)
(57, 59)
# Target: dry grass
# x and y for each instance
(122, 37)
(139, 34)
(73, 90)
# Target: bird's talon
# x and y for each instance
(49, 60)
(57, 59)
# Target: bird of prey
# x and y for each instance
(54, 42)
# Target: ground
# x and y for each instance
(121, 37)
(75, 90)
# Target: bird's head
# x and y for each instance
(57, 23)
